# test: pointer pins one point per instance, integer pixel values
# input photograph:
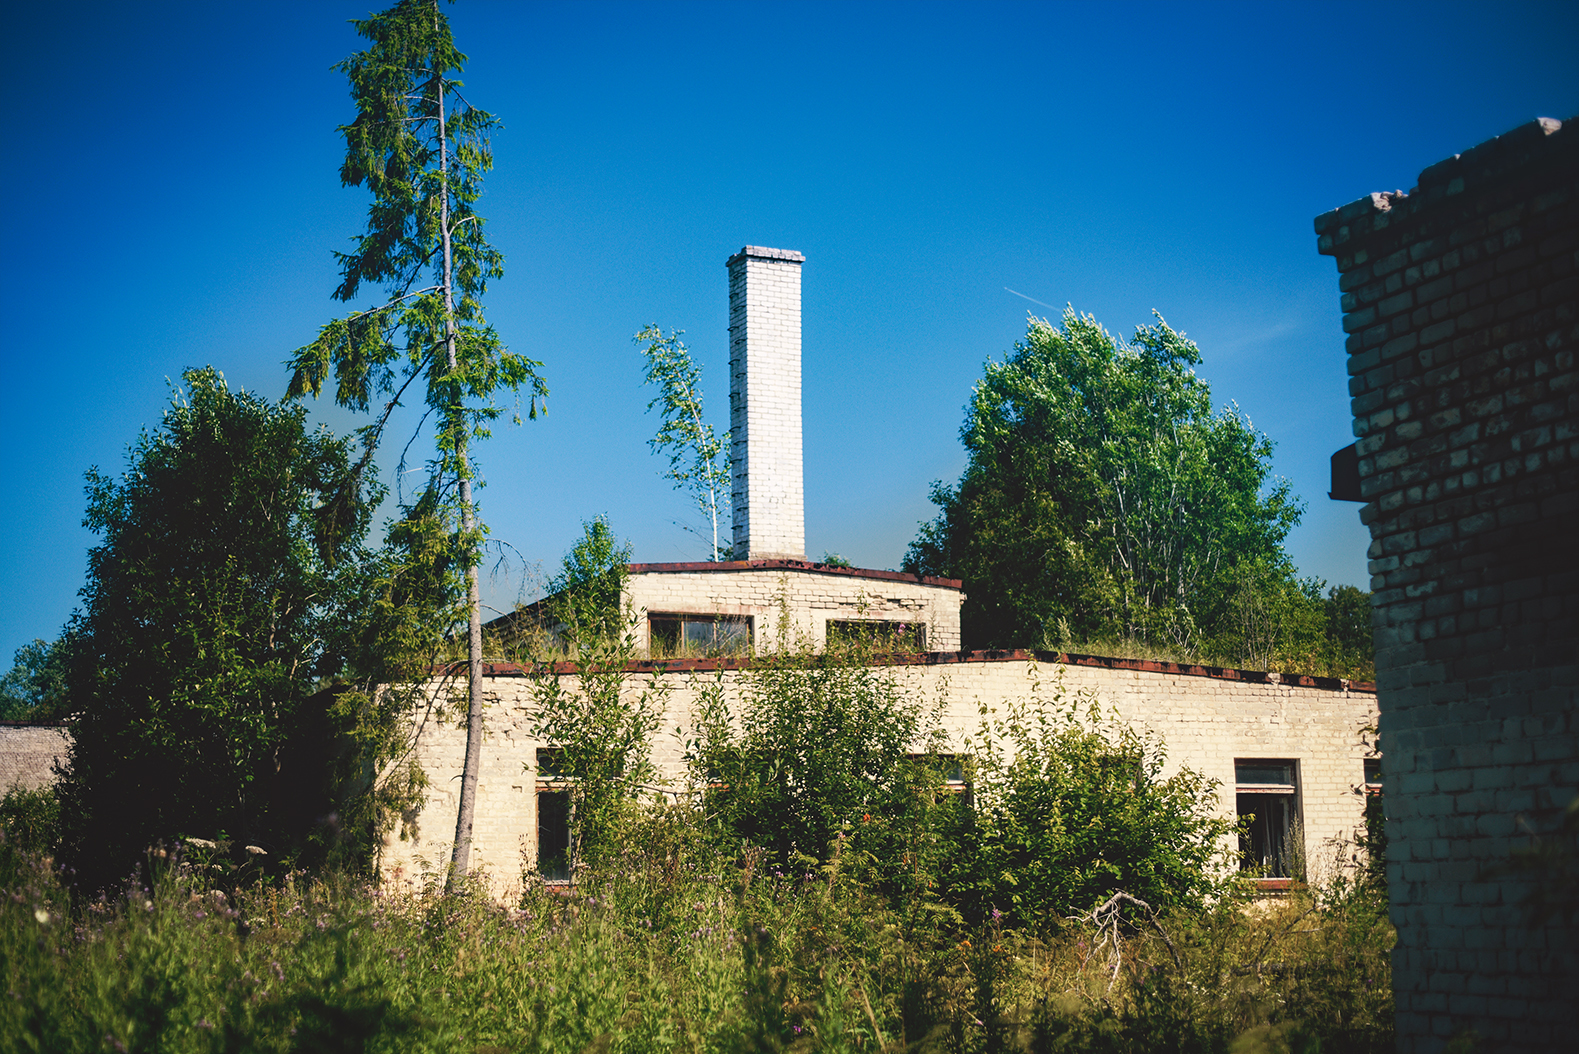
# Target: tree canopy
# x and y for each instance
(213, 618)
(1103, 498)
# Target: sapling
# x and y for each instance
(698, 458)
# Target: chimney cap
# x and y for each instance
(764, 253)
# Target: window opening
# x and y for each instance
(950, 766)
(887, 634)
(674, 636)
(1267, 801)
(554, 849)
(1373, 775)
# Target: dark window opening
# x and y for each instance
(553, 835)
(1268, 804)
(698, 635)
(554, 856)
(1373, 775)
(884, 634)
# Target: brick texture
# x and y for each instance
(767, 492)
(1207, 718)
(1461, 304)
(28, 754)
(808, 594)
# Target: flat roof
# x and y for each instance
(728, 566)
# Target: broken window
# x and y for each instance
(554, 849)
(1373, 775)
(1267, 797)
(675, 636)
(884, 634)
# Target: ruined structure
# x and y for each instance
(1461, 301)
(1287, 749)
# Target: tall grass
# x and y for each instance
(670, 947)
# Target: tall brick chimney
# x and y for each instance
(767, 491)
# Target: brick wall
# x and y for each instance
(1461, 301)
(810, 594)
(1207, 718)
(28, 754)
(767, 491)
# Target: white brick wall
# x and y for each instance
(1205, 721)
(810, 594)
(767, 491)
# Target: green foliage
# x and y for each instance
(29, 829)
(599, 723)
(817, 752)
(35, 687)
(1347, 612)
(421, 149)
(1101, 490)
(588, 594)
(666, 948)
(205, 659)
(1071, 805)
(698, 459)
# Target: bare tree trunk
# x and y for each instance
(460, 859)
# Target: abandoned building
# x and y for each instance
(1289, 750)
(1461, 304)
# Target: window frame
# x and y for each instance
(715, 619)
(870, 626)
(1287, 794)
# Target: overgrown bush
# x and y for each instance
(1071, 805)
(822, 745)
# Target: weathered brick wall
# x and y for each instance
(767, 494)
(1207, 718)
(28, 754)
(810, 594)
(1461, 301)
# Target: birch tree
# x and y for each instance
(698, 458)
(421, 148)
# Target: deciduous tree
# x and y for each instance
(1101, 490)
(213, 621)
(698, 458)
(421, 149)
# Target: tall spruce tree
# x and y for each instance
(421, 148)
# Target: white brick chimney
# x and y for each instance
(767, 492)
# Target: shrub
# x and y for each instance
(820, 748)
(1071, 805)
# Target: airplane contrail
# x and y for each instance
(1032, 299)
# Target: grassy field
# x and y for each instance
(670, 947)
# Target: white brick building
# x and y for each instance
(1288, 749)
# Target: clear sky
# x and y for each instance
(172, 198)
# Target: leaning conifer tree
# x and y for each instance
(421, 148)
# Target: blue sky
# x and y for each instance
(172, 201)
